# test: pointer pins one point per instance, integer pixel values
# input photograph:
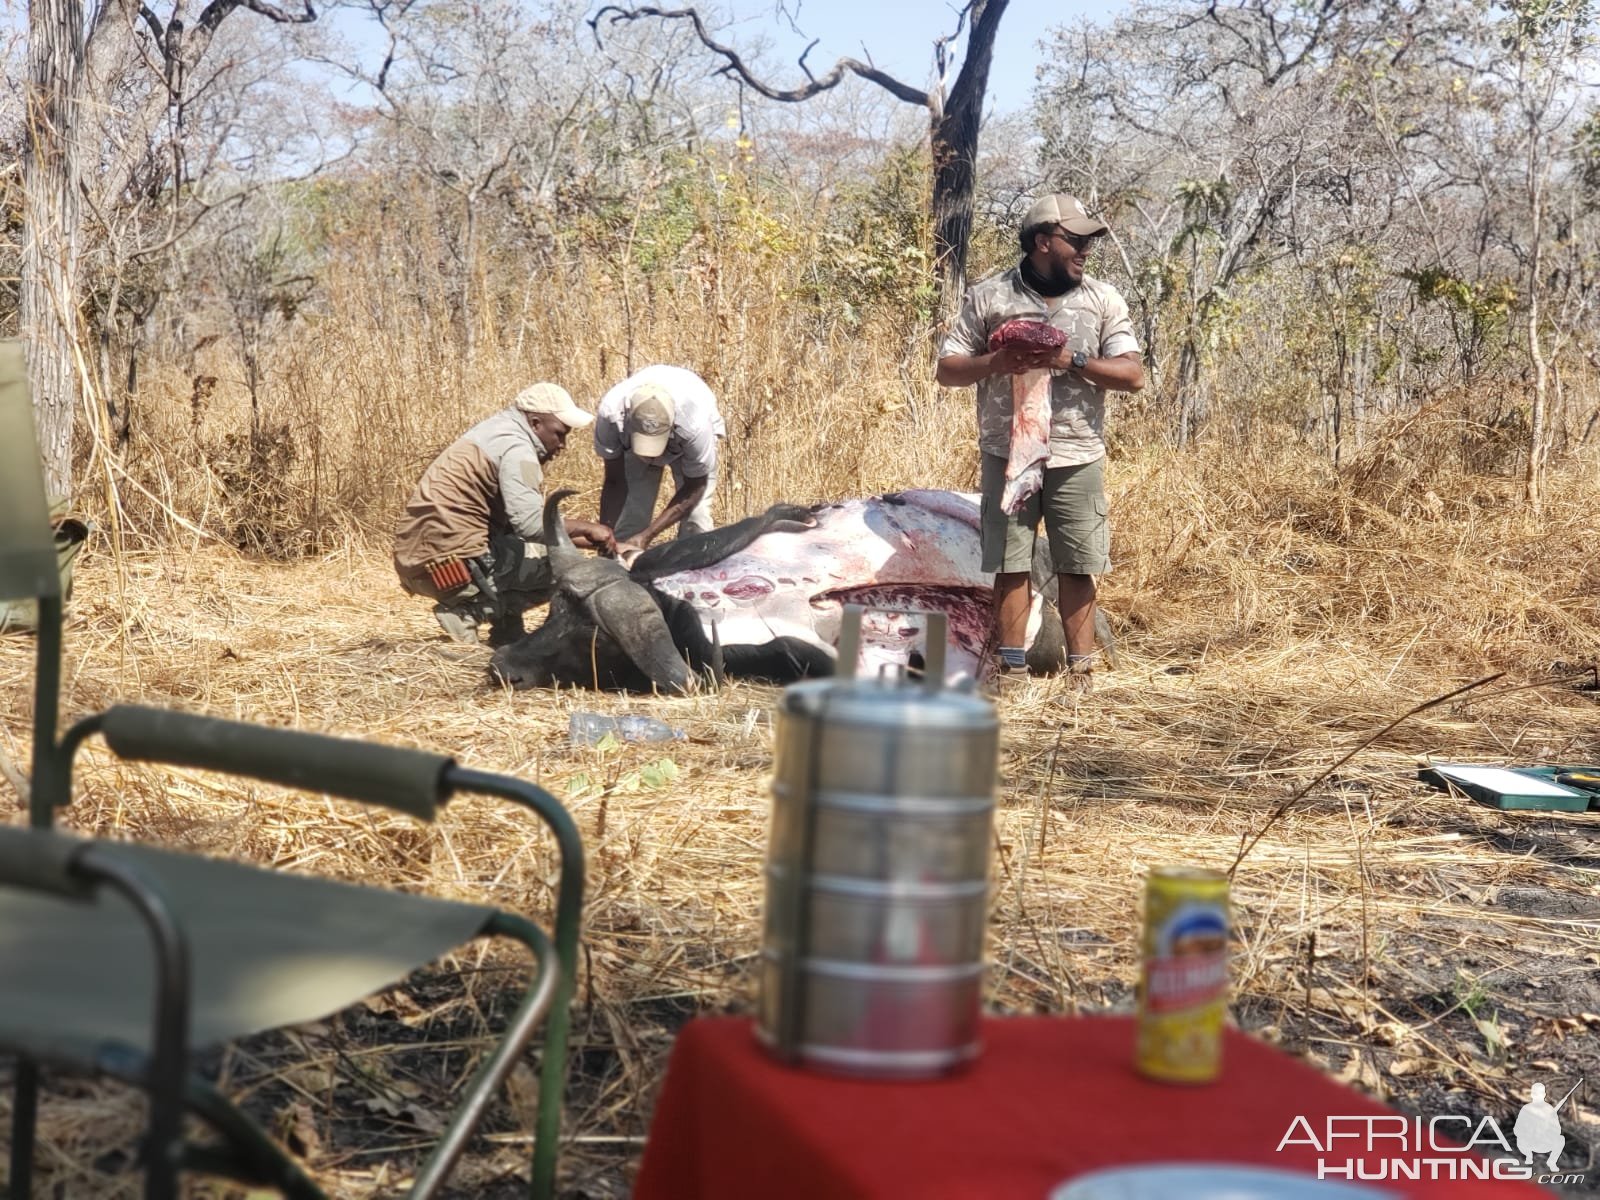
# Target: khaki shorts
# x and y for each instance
(1073, 508)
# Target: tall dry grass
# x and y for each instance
(373, 379)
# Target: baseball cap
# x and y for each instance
(1065, 211)
(553, 400)
(650, 415)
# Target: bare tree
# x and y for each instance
(954, 115)
(1541, 40)
(51, 226)
(1213, 135)
(485, 104)
(94, 104)
(1498, 118)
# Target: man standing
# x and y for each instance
(472, 535)
(656, 418)
(1101, 354)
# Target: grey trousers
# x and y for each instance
(644, 484)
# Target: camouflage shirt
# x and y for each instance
(1095, 319)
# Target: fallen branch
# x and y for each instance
(1305, 791)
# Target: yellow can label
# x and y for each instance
(1183, 992)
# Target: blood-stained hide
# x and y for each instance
(907, 550)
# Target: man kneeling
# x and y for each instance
(472, 535)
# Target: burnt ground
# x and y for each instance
(358, 1094)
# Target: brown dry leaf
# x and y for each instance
(522, 1091)
(385, 1105)
(297, 1125)
(1325, 1000)
(1402, 1067)
(409, 1111)
(398, 1005)
(314, 1079)
(1360, 1072)
(425, 1119)
(1390, 1033)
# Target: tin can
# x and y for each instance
(878, 869)
(1183, 989)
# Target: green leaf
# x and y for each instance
(658, 774)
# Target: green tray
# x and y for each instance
(1503, 787)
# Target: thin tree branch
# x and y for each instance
(735, 65)
(972, 81)
(810, 46)
(217, 11)
(791, 18)
(941, 45)
(154, 22)
(1276, 813)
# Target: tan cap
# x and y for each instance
(650, 415)
(1065, 211)
(551, 399)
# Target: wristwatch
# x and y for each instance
(1080, 360)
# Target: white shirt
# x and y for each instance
(696, 421)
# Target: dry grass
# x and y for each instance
(373, 380)
(1271, 615)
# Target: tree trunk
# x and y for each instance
(1188, 389)
(953, 139)
(51, 221)
(469, 267)
(1536, 436)
(955, 151)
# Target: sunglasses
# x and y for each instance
(1078, 241)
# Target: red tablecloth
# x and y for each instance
(1049, 1099)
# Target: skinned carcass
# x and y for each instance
(763, 599)
(904, 550)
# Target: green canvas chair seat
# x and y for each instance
(123, 959)
(266, 949)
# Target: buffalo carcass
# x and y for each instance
(610, 629)
(772, 590)
(905, 550)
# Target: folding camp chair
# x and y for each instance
(124, 959)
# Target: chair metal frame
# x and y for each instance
(245, 1152)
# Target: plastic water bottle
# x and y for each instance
(636, 728)
(587, 728)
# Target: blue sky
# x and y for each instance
(900, 35)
